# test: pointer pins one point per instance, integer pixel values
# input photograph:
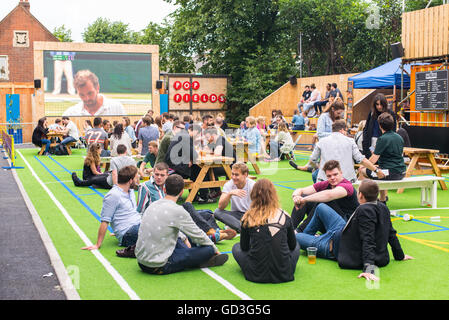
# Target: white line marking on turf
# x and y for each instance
(226, 284)
(115, 275)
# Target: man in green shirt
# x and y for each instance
(165, 142)
(150, 158)
(387, 154)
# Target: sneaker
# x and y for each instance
(128, 252)
(293, 164)
(200, 200)
(215, 261)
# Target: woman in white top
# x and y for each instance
(119, 136)
(282, 143)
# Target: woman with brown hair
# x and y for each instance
(268, 251)
(158, 125)
(91, 170)
(119, 136)
(372, 130)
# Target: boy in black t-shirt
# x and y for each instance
(388, 155)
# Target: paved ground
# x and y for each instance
(23, 257)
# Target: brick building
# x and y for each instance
(18, 30)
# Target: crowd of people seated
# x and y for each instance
(166, 237)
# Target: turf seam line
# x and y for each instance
(111, 270)
(226, 284)
(56, 261)
(67, 170)
(415, 232)
(85, 205)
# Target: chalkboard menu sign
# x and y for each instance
(432, 90)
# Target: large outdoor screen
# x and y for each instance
(79, 83)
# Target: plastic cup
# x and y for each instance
(311, 254)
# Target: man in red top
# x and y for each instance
(336, 192)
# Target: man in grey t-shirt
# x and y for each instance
(98, 135)
(162, 246)
(121, 161)
(237, 191)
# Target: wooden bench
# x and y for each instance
(54, 144)
(443, 168)
(428, 185)
(42, 150)
(69, 146)
(188, 184)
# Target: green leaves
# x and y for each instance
(105, 31)
(63, 34)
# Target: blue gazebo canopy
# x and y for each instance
(385, 76)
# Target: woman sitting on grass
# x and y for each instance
(91, 171)
(267, 251)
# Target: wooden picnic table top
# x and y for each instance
(209, 159)
(409, 150)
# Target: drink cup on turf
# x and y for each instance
(311, 254)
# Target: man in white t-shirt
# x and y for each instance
(93, 103)
(237, 191)
(70, 131)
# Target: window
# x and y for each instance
(4, 71)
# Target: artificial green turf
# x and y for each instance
(422, 278)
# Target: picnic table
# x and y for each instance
(53, 136)
(414, 168)
(207, 163)
(241, 148)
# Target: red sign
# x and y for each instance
(222, 98)
(177, 97)
(195, 85)
(213, 98)
(186, 85)
(195, 97)
(204, 98)
(186, 97)
(177, 85)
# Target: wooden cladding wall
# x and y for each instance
(26, 91)
(286, 98)
(425, 33)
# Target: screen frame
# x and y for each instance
(41, 46)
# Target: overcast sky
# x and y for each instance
(76, 15)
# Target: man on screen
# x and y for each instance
(93, 103)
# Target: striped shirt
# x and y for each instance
(148, 192)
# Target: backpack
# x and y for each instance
(61, 150)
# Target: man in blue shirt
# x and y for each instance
(146, 134)
(120, 210)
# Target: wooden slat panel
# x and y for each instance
(425, 33)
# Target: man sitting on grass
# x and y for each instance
(337, 192)
(154, 189)
(359, 243)
(150, 158)
(162, 246)
(119, 209)
(237, 191)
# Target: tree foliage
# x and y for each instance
(256, 42)
(104, 31)
(63, 34)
